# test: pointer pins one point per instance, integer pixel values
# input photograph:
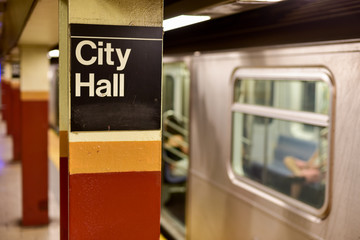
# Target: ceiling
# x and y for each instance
(36, 21)
(213, 8)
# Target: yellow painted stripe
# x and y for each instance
(115, 136)
(103, 157)
(162, 237)
(64, 144)
(34, 96)
(15, 84)
(53, 147)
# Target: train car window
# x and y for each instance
(175, 160)
(168, 93)
(295, 95)
(280, 133)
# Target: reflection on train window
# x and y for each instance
(169, 87)
(175, 159)
(268, 152)
(295, 95)
(280, 136)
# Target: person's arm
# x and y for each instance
(290, 163)
(312, 160)
(177, 141)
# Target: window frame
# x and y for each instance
(312, 74)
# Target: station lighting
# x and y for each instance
(53, 53)
(269, 0)
(182, 21)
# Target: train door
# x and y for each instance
(175, 159)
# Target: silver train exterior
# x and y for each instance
(220, 205)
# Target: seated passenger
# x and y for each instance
(180, 165)
(175, 149)
(312, 170)
(177, 141)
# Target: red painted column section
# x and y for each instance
(5, 99)
(9, 109)
(34, 125)
(16, 127)
(113, 202)
(64, 196)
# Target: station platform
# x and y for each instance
(10, 208)
(10, 193)
(10, 200)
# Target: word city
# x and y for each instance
(104, 86)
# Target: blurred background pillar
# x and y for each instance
(34, 88)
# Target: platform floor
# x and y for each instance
(10, 209)
(10, 200)
(10, 193)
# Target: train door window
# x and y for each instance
(280, 133)
(175, 159)
(168, 93)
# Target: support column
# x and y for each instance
(16, 118)
(13, 87)
(64, 119)
(2, 92)
(16, 111)
(34, 89)
(115, 57)
(6, 94)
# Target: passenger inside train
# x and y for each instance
(311, 169)
(176, 151)
(271, 148)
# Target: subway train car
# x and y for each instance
(261, 128)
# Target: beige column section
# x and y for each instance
(33, 69)
(34, 87)
(114, 176)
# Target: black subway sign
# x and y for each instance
(115, 77)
